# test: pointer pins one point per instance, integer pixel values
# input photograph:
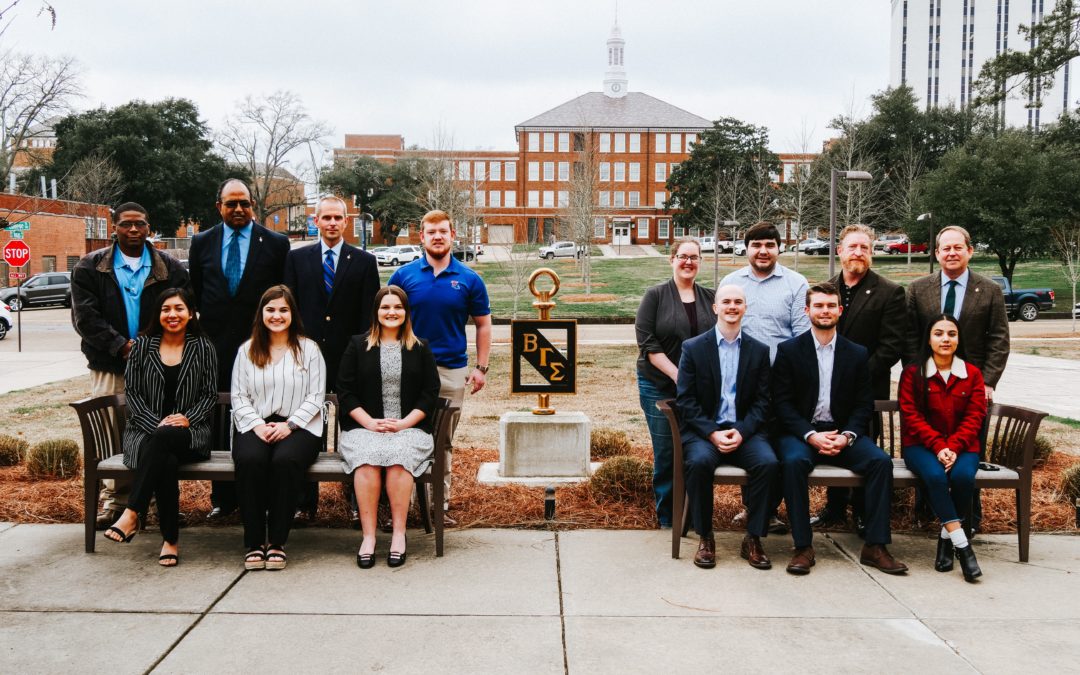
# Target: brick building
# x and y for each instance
(60, 231)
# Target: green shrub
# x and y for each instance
(1070, 483)
(59, 458)
(607, 442)
(1043, 449)
(12, 450)
(624, 478)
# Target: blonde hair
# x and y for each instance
(405, 333)
(952, 228)
(331, 198)
(856, 228)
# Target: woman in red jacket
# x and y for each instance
(942, 409)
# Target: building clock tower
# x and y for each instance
(615, 77)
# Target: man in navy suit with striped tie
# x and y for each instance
(335, 285)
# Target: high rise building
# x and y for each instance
(938, 48)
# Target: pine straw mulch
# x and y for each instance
(26, 500)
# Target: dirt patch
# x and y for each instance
(591, 297)
(578, 284)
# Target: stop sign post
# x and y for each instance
(17, 254)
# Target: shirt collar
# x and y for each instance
(721, 340)
(244, 232)
(961, 281)
(748, 272)
(831, 344)
(451, 268)
(336, 248)
(959, 368)
(120, 260)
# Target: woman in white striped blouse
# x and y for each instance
(277, 394)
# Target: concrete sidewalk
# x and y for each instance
(527, 601)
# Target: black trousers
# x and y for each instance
(159, 458)
(754, 455)
(269, 480)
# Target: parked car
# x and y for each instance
(725, 246)
(1076, 311)
(820, 247)
(5, 320)
(882, 243)
(903, 246)
(560, 249)
(708, 244)
(397, 255)
(808, 243)
(46, 288)
(1025, 303)
(467, 252)
(740, 248)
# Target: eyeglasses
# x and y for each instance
(129, 224)
(233, 203)
(688, 258)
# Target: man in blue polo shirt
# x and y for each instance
(444, 293)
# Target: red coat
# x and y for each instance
(953, 414)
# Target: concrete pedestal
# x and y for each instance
(540, 449)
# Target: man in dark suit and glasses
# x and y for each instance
(823, 405)
(978, 304)
(335, 285)
(231, 265)
(874, 316)
(723, 402)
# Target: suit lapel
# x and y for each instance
(254, 249)
(810, 358)
(861, 298)
(740, 377)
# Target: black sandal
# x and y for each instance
(255, 559)
(121, 536)
(165, 557)
(275, 560)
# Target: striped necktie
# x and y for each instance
(328, 271)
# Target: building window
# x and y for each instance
(549, 199)
(635, 172)
(605, 142)
(661, 142)
(605, 171)
(672, 167)
(680, 231)
(89, 222)
(663, 229)
(605, 198)
(48, 263)
(635, 142)
(463, 171)
(534, 198)
(620, 198)
(660, 199)
(478, 198)
(676, 143)
(495, 171)
(690, 140)
(534, 141)
(511, 199)
(534, 171)
(661, 173)
(532, 227)
(564, 171)
(564, 199)
(634, 198)
(549, 170)
(620, 172)
(599, 228)
(478, 171)
(495, 199)
(549, 141)
(72, 261)
(511, 171)
(620, 142)
(102, 228)
(579, 142)
(564, 141)
(643, 228)
(549, 230)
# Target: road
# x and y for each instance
(51, 353)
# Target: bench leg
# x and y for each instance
(437, 492)
(1023, 520)
(425, 507)
(90, 494)
(678, 520)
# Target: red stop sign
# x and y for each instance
(16, 253)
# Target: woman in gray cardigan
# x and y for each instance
(669, 314)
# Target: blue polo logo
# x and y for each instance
(455, 284)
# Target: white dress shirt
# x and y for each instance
(961, 287)
(825, 356)
(291, 389)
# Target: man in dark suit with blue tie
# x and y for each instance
(231, 265)
(335, 285)
(823, 404)
(723, 402)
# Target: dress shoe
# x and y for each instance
(740, 519)
(802, 561)
(968, 564)
(876, 555)
(448, 520)
(706, 553)
(302, 518)
(219, 513)
(828, 518)
(106, 517)
(777, 526)
(396, 559)
(943, 561)
(753, 553)
(860, 525)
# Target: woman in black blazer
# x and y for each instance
(170, 379)
(387, 387)
(669, 314)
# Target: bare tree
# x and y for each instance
(34, 90)
(1067, 246)
(795, 193)
(95, 178)
(262, 137)
(579, 212)
(906, 180)
(729, 203)
(515, 267)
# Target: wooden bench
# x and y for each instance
(103, 418)
(1011, 444)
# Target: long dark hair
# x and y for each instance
(405, 334)
(925, 353)
(259, 352)
(152, 323)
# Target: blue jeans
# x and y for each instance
(950, 493)
(663, 447)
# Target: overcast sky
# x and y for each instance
(478, 67)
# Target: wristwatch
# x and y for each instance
(482, 369)
(293, 426)
(850, 436)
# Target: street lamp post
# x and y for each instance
(930, 248)
(836, 175)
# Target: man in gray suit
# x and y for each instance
(978, 304)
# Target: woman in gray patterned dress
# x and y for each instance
(387, 387)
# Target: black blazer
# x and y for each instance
(795, 386)
(700, 383)
(662, 327)
(877, 319)
(359, 383)
(331, 320)
(225, 318)
(144, 386)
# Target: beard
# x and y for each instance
(825, 323)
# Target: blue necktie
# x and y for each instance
(328, 271)
(950, 298)
(232, 264)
